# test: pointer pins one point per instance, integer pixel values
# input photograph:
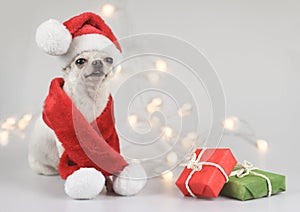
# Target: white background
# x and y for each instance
(254, 47)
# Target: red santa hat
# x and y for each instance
(84, 32)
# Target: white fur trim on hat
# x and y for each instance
(90, 42)
(53, 37)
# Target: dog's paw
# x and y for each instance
(130, 181)
(85, 183)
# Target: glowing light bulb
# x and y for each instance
(24, 121)
(22, 124)
(132, 120)
(172, 157)
(9, 124)
(189, 140)
(108, 10)
(154, 105)
(231, 123)
(168, 132)
(161, 65)
(168, 175)
(157, 101)
(4, 137)
(262, 145)
(151, 108)
(118, 69)
(185, 109)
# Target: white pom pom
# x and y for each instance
(53, 37)
(130, 181)
(85, 183)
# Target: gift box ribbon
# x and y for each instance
(247, 168)
(196, 165)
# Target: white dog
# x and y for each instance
(87, 81)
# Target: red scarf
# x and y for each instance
(86, 145)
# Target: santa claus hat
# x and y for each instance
(84, 32)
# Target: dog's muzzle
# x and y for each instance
(97, 69)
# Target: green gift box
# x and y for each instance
(248, 182)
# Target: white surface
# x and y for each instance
(22, 189)
(254, 46)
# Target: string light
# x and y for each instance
(242, 129)
(9, 124)
(231, 123)
(132, 120)
(24, 121)
(150, 108)
(154, 105)
(262, 145)
(118, 69)
(167, 132)
(4, 137)
(157, 102)
(168, 175)
(161, 65)
(185, 109)
(108, 10)
(189, 140)
(172, 157)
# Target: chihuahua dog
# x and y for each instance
(87, 80)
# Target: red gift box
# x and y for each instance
(206, 174)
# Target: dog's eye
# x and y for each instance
(80, 61)
(109, 60)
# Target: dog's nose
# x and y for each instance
(97, 63)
